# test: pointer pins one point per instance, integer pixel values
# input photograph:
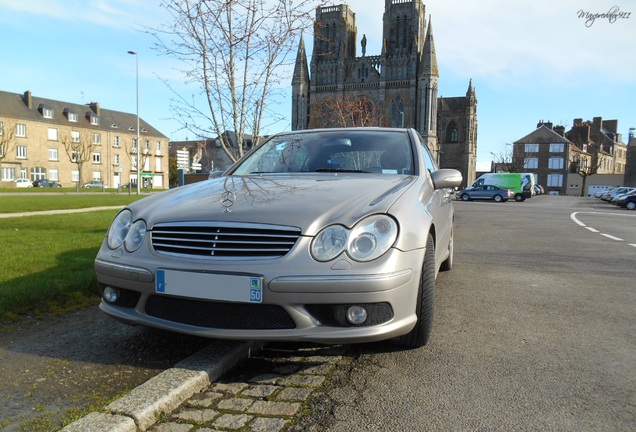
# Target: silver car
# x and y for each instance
(324, 235)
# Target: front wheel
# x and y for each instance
(465, 197)
(421, 333)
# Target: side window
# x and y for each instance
(431, 166)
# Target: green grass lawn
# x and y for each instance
(46, 261)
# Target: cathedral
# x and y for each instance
(397, 88)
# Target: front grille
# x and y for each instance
(224, 240)
(220, 315)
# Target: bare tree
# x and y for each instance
(347, 111)
(587, 163)
(79, 149)
(145, 154)
(7, 135)
(510, 160)
(233, 51)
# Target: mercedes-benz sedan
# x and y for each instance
(324, 235)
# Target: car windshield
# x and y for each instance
(373, 151)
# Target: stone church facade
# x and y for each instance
(400, 85)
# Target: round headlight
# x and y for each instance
(329, 243)
(135, 236)
(119, 229)
(372, 237)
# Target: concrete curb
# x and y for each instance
(139, 409)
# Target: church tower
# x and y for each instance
(398, 88)
(428, 82)
(300, 89)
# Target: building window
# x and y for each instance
(38, 173)
(531, 163)
(75, 136)
(97, 158)
(21, 152)
(97, 139)
(8, 173)
(75, 156)
(75, 176)
(95, 120)
(54, 175)
(158, 148)
(72, 117)
(555, 162)
(158, 165)
(147, 145)
(52, 134)
(116, 160)
(134, 144)
(556, 148)
(20, 130)
(116, 142)
(1, 128)
(47, 113)
(532, 148)
(397, 112)
(555, 180)
(97, 175)
(53, 156)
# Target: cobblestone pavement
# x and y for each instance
(264, 394)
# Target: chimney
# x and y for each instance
(28, 99)
(95, 107)
(560, 130)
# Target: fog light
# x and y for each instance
(356, 315)
(110, 294)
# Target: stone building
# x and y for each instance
(400, 85)
(567, 162)
(44, 138)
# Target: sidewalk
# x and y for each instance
(265, 395)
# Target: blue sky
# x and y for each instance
(529, 60)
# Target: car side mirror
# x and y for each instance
(446, 178)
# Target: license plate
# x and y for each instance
(209, 286)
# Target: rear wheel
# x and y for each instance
(498, 198)
(421, 333)
(519, 197)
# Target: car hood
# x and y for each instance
(308, 202)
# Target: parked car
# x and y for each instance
(616, 197)
(321, 235)
(46, 183)
(538, 190)
(23, 183)
(94, 184)
(627, 201)
(607, 196)
(485, 192)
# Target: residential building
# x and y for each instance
(75, 143)
(398, 88)
(564, 162)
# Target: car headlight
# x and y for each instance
(124, 231)
(366, 241)
(135, 236)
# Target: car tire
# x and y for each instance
(498, 198)
(421, 333)
(447, 264)
(520, 198)
(630, 205)
(465, 197)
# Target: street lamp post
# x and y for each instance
(138, 143)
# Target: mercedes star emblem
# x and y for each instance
(227, 200)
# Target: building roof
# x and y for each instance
(543, 135)
(16, 106)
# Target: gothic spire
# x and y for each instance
(301, 69)
(429, 58)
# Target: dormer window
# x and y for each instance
(47, 111)
(130, 128)
(70, 115)
(92, 118)
(114, 126)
